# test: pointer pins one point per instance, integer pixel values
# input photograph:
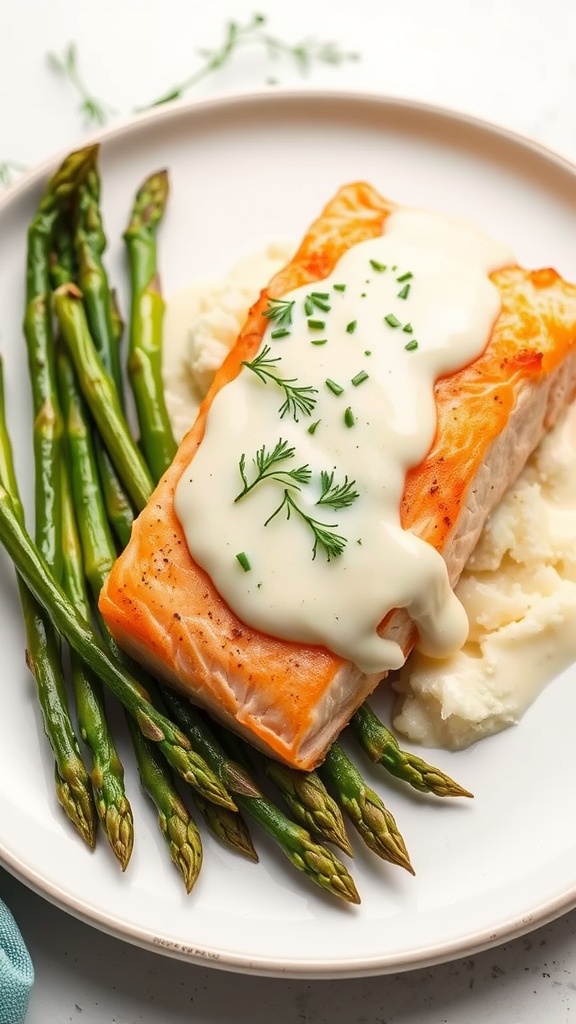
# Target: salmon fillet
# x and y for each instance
(291, 699)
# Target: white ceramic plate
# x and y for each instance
(245, 170)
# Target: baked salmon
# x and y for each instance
(292, 699)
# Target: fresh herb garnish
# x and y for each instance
(316, 325)
(405, 277)
(337, 496)
(392, 320)
(244, 561)
(408, 329)
(298, 399)
(359, 378)
(331, 543)
(380, 267)
(280, 311)
(267, 465)
(411, 345)
(339, 287)
(335, 388)
(349, 417)
(351, 327)
(318, 341)
(281, 332)
(236, 36)
(313, 426)
(404, 292)
(316, 300)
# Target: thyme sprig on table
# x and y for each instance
(9, 169)
(236, 36)
(297, 398)
(268, 468)
(66, 63)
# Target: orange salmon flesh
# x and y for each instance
(290, 699)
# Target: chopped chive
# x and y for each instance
(367, 352)
(320, 304)
(359, 378)
(408, 329)
(318, 341)
(380, 267)
(392, 320)
(308, 306)
(244, 561)
(339, 287)
(312, 427)
(405, 277)
(335, 388)
(317, 325)
(351, 327)
(280, 333)
(349, 418)
(411, 345)
(320, 295)
(362, 295)
(405, 292)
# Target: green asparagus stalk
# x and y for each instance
(101, 395)
(107, 774)
(310, 802)
(383, 748)
(73, 786)
(366, 811)
(228, 826)
(176, 824)
(233, 775)
(105, 324)
(315, 860)
(67, 621)
(43, 658)
(146, 320)
(90, 245)
(38, 334)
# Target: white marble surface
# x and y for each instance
(510, 61)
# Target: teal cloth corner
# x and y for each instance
(16, 971)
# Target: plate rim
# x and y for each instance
(548, 909)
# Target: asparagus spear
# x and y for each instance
(43, 658)
(101, 395)
(310, 802)
(77, 631)
(176, 824)
(383, 748)
(73, 787)
(309, 856)
(146, 318)
(106, 327)
(233, 831)
(364, 807)
(228, 826)
(107, 773)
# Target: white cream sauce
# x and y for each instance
(436, 286)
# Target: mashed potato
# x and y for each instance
(519, 591)
(519, 587)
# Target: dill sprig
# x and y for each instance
(280, 311)
(336, 496)
(297, 398)
(331, 543)
(267, 465)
